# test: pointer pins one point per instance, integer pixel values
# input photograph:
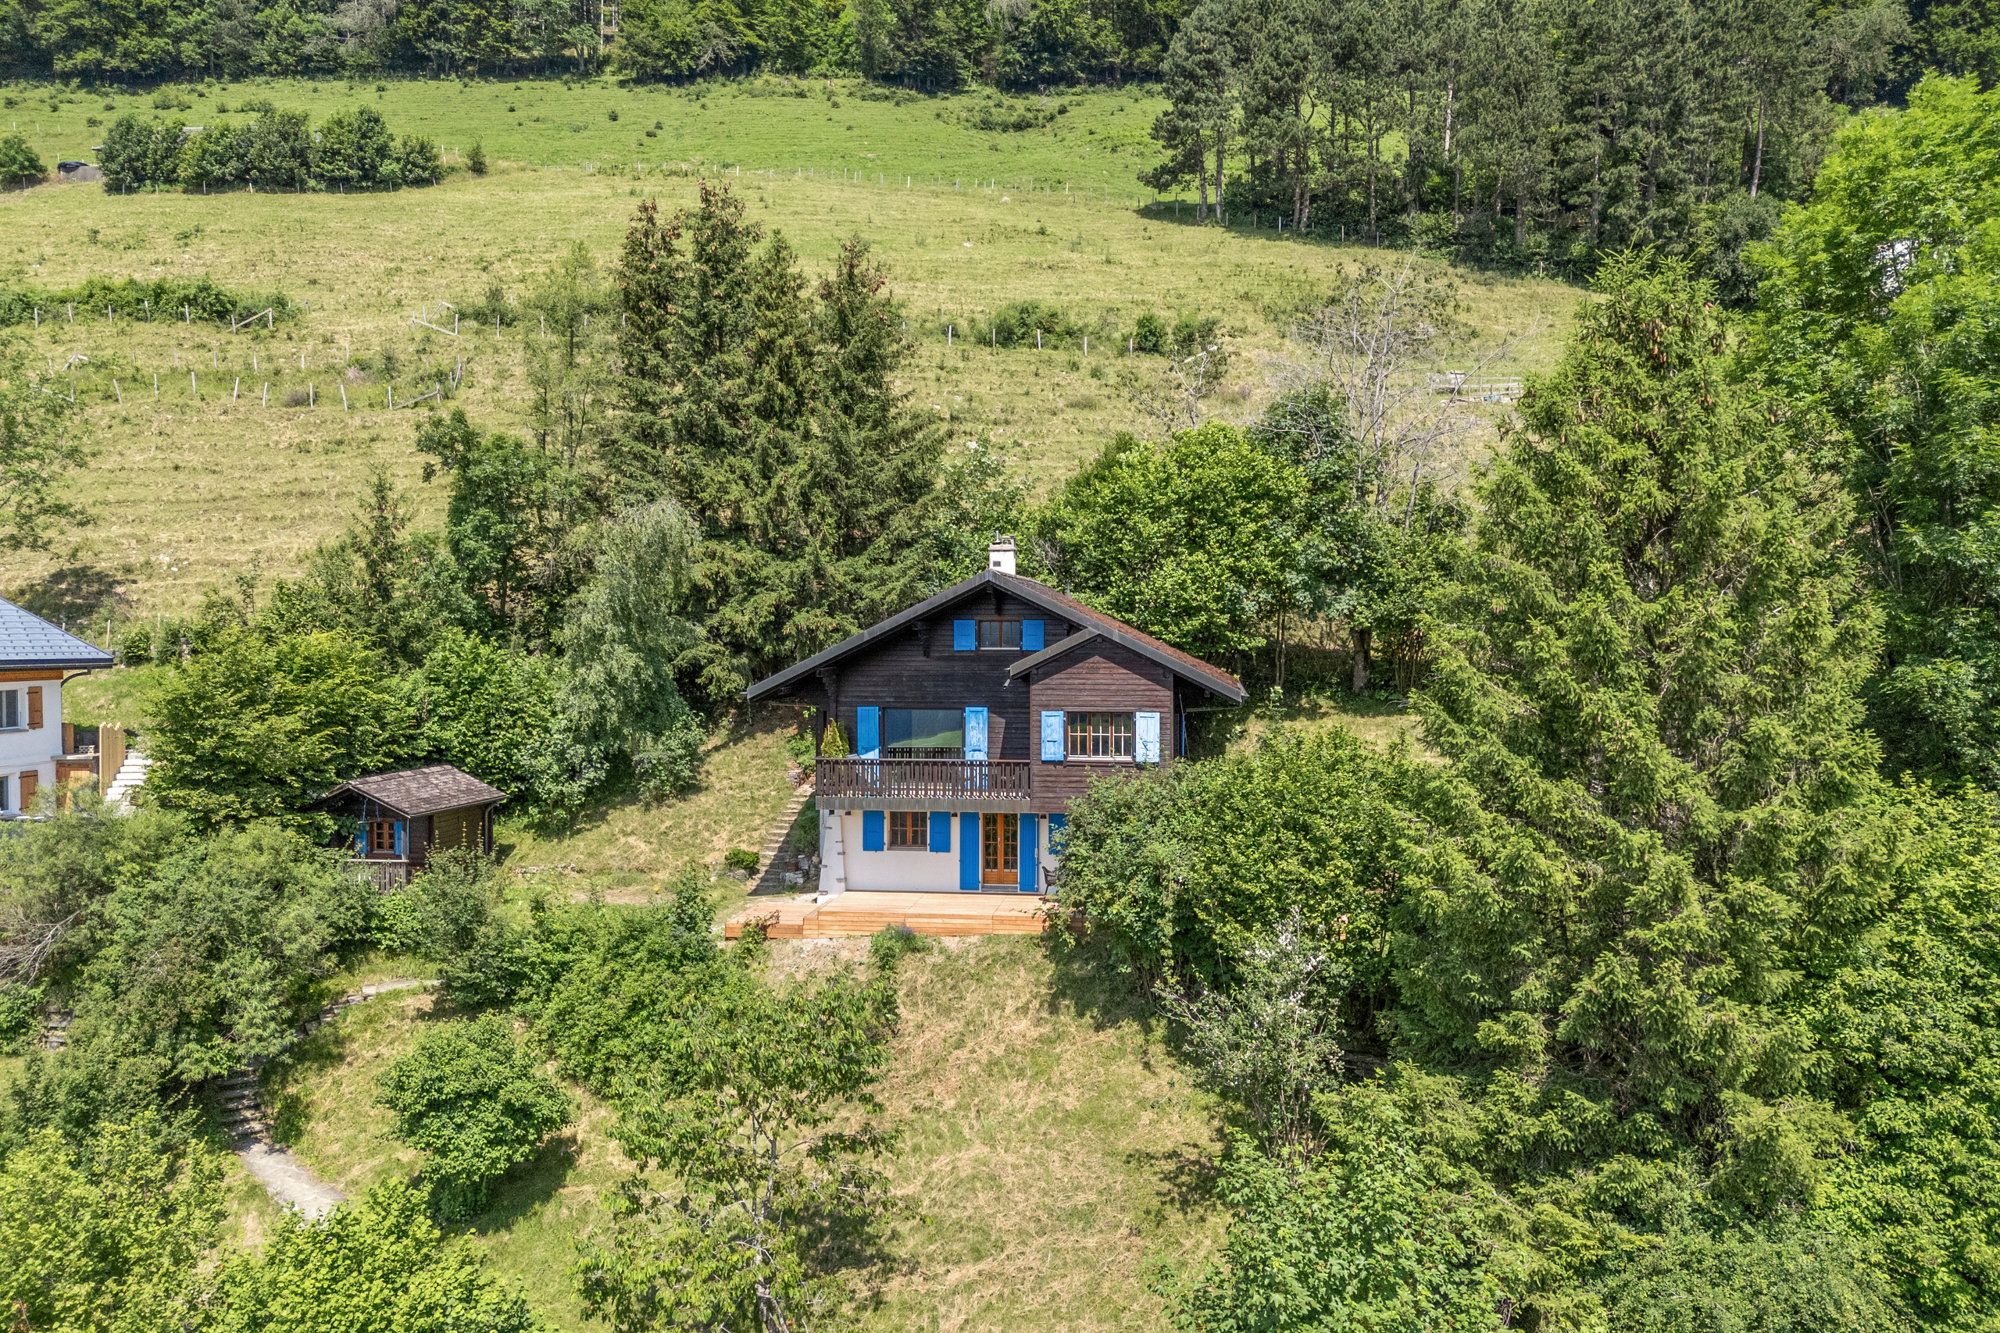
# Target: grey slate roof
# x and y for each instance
(422, 791)
(26, 640)
(1213, 679)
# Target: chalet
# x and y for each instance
(400, 818)
(976, 717)
(37, 751)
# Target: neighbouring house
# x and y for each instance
(398, 819)
(975, 718)
(38, 751)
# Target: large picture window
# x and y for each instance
(909, 828)
(923, 733)
(1100, 736)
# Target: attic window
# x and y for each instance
(1000, 634)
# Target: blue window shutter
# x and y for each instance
(964, 636)
(1052, 737)
(1058, 828)
(872, 839)
(1031, 846)
(975, 733)
(1146, 737)
(940, 830)
(360, 831)
(868, 733)
(968, 852)
(1033, 636)
(402, 837)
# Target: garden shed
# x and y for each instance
(397, 820)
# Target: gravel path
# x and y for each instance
(284, 1177)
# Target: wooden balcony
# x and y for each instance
(922, 783)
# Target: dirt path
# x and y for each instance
(289, 1181)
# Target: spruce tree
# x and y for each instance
(1648, 679)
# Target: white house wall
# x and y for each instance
(32, 750)
(844, 865)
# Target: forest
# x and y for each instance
(1640, 74)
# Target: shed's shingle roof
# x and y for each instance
(1213, 679)
(422, 791)
(26, 640)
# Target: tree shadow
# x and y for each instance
(284, 1104)
(76, 594)
(527, 1187)
(1085, 983)
(1188, 1180)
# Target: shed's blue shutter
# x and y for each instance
(964, 636)
(1052, 737)
(1033, 635)
(402, 837)
(360, 830)
(1031, 846)
(940, 830)
(871, 831)
(1146, 737)
(975, 733)
(968, 852)
(868, 733)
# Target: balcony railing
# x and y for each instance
(923, 779)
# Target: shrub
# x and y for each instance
(18, 163)
(355, 149)
(472, 1102)
(668, 763)
(475, 159)
(1149, 334)
(1016, 325)
(418, 161)
(739, 858)
(140, 153)
(212, 158)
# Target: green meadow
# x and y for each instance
(218, 453)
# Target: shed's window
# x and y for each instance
(1000, 634)
(1100, 735)
(381, 837)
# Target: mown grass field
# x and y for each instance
(1043, 1170)
(205, 480)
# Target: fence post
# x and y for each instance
(194, 390)
(312, 395)
(267, 393)
(343, 397)
(120, 392)
(236, 389)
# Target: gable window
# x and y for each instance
(10, 710)
(924, 733)
(1100, 735)
(1000, 634)
(909, 828)
(381, 837)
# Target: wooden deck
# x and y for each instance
(862, 913)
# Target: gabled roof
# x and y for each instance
(26, 640)
(422, 791)
(1213, 679)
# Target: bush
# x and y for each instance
(440, 915)
(669, 764)
(739, 858)
(140, 153)
(472, 1102)
(418, 161)
(475, 159)
(1016, 325)
(278, 151)
(355, 149)
(213, 158)
(1149, 334)
(18, 163)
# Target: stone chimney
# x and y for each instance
(1000, 555)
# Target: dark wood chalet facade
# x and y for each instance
(397, 820)
(973, 719)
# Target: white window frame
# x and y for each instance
(17, 698)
